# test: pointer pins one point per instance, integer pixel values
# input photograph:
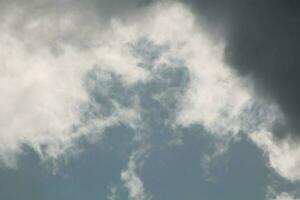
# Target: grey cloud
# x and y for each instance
(86, 18)
(113, 8)
(104, 8)
(263, 44)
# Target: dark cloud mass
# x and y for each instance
(262, 43)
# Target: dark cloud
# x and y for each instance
(263, 43)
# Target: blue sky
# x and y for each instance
(135, 100)
(170, 172)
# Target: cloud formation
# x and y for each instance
(43, 78)
(283, 154)
(71, 69)
(131, 180)
(261, 40)
(285, 196)
(262, 45)
(48, 60)
(64, 79)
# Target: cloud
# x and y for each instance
(113, 194)
(62, 78)
(261, 40)
(216, 98)
(43, 80)
(71, 69)
(285, 196)
(283, 155)
(131, 180)
(49, 56)
(59, 74)
(260, 45)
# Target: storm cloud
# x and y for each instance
(263, 45)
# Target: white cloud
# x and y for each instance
(45, 59)
(113, 193)
(285, 196)
(43, 93)
(129, 176)
(284, 155)
(215, 98)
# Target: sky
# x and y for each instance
(149, 100)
